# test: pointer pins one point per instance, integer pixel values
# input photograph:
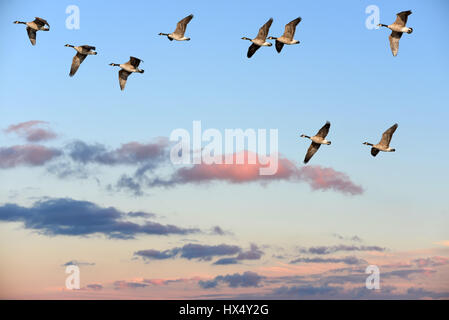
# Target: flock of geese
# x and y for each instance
(132, 66)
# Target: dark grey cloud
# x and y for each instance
(190, 251)
(121, 284)
(78, 263)
(322, 250)
(244, 280)
(254, 253)
(70, 217)
(346, 260)
(354, 238)
(94, 287)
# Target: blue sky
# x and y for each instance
(341, 72)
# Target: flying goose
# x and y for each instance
(178, 34)
(287, 37)
(81, 53)
(126, 69)
(260, 40)
(317, 141)
(33, 27)
(397, 29)
(384, 144)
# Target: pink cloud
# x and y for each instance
(31, 132)
(317, 177)
(31, 155)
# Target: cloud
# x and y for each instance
(94, 287)
(190, 251)
(254, 253)
(346, 260)
(31, 131)
(317, 177)
(322, 250)
(244, 280)
(354, 238)
(78, 263)
(121, 284)
(28, 155)
(128, 154)
(431, 261)
(70, 217)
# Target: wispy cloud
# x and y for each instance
(32, 131)
(322, 250)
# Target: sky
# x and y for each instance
(86, 177)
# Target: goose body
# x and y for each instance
(287, 37)
(126, 69)
(260, 39)
(384, 143)
(317, 141)
(38, 24)
(397, 29)
(81, 53)
(180, 30)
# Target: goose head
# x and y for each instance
(68, 45)
(410, 30)
(114, 64)
(304, 136)
(245, 38)
(17, 22)
(271, 38)
(367, 144)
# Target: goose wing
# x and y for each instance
(290, 28)
(387, 135)
(311, 151)
(122, 77)
(252, 49)
(182, 25)
(324, 130)
(41, 22)
(374, 152)
(402, 17)
(77, 60)
(134, 61)
(88, 48)
(279, 45)
(394, 42)
(263, 31)
(31, 35)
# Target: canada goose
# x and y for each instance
(126, 69)
(33, 26)
(397, 29)
(317, 141)
(178, 34)
(287, 37)
(81, 53)
(384, 144)
(260, 40)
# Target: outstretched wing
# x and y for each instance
(31, 35)
(402, 17)
(77, 60)
(41, 22)
(394, 42)
(182, 25)
(252, 49)
(386, 136)
(122, 77)
(374, 152)
(311, 151)
(88, 48)
(134, 61)
(290, 28)
(263, 31)
(279, 46)
(324, 130)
